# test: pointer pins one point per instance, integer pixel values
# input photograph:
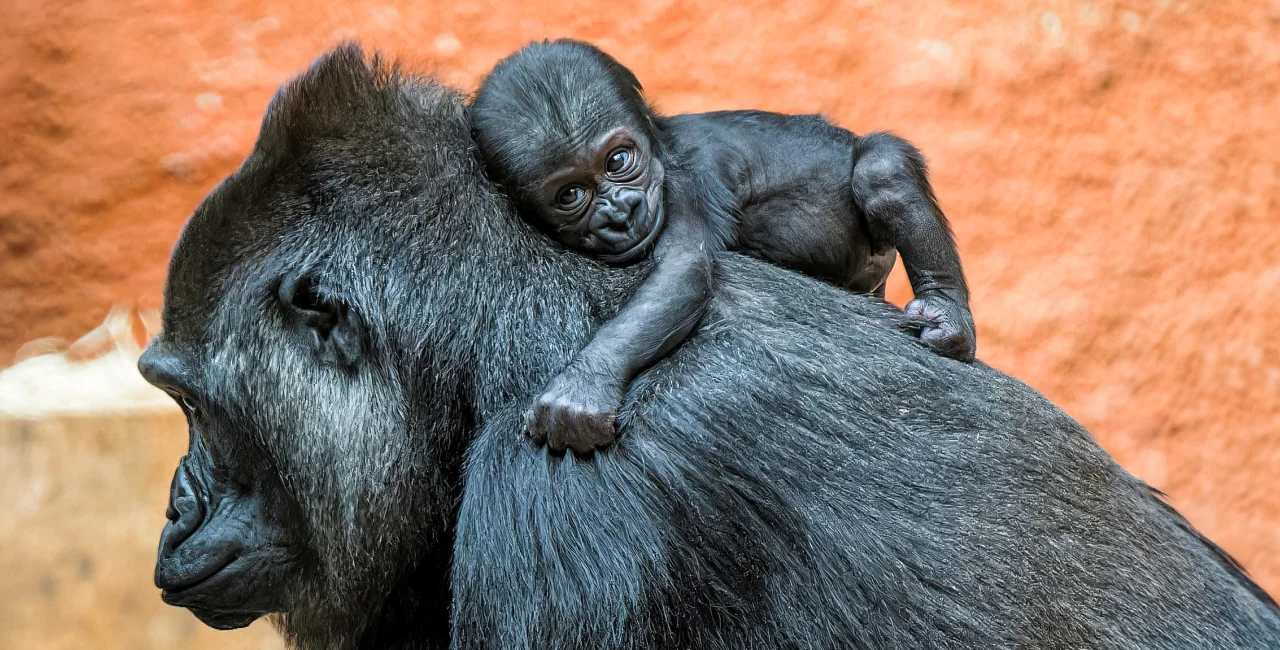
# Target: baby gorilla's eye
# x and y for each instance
(619, 160)
(570, 197)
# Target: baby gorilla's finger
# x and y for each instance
(559, 426)
(926, 310)
(536, 424)
(582, 442)
(572, 426)
(548, 425)
(587, 429)
(531, 429)
(598, 432)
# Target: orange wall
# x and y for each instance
(1110, 168)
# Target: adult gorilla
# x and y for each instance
(356, 320)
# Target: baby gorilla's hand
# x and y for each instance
(577, 411)
(948, 328)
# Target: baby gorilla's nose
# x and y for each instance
(615, 212)
(631, 199)
(618, 220)
(613, 217)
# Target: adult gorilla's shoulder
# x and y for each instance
(363, 311)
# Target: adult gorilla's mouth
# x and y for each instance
(657, 220)
(220, 620)
(173, 590)
(205, 593)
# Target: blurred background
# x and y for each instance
(1111, 170)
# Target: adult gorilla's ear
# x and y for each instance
(324, 323)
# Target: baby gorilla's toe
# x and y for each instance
(949, 341)
(948, 329)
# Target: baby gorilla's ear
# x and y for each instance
(323, 323)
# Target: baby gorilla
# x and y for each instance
(566, 129)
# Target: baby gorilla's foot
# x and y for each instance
(577, 411)
(948, 328)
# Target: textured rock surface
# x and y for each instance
(1110, 169)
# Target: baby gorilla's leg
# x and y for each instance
(891, 189)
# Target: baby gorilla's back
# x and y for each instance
(791, 181)
(802, 193)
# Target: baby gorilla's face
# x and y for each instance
(604, 198)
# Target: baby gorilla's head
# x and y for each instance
(564, 127)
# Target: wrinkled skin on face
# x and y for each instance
(604, 198)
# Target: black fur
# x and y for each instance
(799, 474)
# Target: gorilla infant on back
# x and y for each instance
(355, 322)
(564, 127)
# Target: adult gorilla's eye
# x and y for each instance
(570, 197)
(619, 160)
(189, 405)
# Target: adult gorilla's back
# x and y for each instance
(356, 310)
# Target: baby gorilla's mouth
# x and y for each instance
(647, 232)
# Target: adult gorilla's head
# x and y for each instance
(356, 310)
(324, 425)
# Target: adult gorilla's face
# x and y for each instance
(298, 493)
(315, 477)
(230, 546)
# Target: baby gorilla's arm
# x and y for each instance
(578, 409)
